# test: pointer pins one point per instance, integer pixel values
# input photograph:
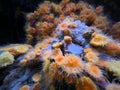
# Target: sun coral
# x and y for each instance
(16, 49)
(67, 32)
(48, 18)
(67, 39)
(56, 53)
(62, 56)
(48, 15)
(99, 40)
(102, 23)
(30, 16)
(59, 60)
(46, 54)
(25, 87)
(86, 50)
(99, 10)
(70, 79)
(102, 63)
(36, 77)
(114, 66)
(21, 48)
(30, 55)
(80, 6)
(91, 57)
(72, 64)
(85, 83)
(115, 30)
(57, 45)
(93, 70)
(88, 16)
(6, 59)
(64, 2)
(37, 51)
(112, 86)
(57, 8)
(112, 48)
(65, 25)
(30, 30)
(43, 44)
(44, 8)
(50, 75)
(44, 27)
(70, 7)
(36, 86)
(46, 65)
(29, 38)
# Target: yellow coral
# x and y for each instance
(16, 49)
(114, 66)
(99, 40)
(46, 65)
(21, 48)
(57, 45)
(6, 59)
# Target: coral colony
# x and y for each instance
(67, 49)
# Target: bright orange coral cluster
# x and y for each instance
(49, 15)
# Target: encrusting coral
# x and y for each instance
(67, 49)
(6, 59)
(99, 40)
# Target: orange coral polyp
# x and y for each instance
(91, 57)
(25, 87)
(72, 64)
(36, 77)
(85, 83)
(37, 51)
(93, 70)
(59, 60)
(99, 40)
(63, 26)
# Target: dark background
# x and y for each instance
(12, 16)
